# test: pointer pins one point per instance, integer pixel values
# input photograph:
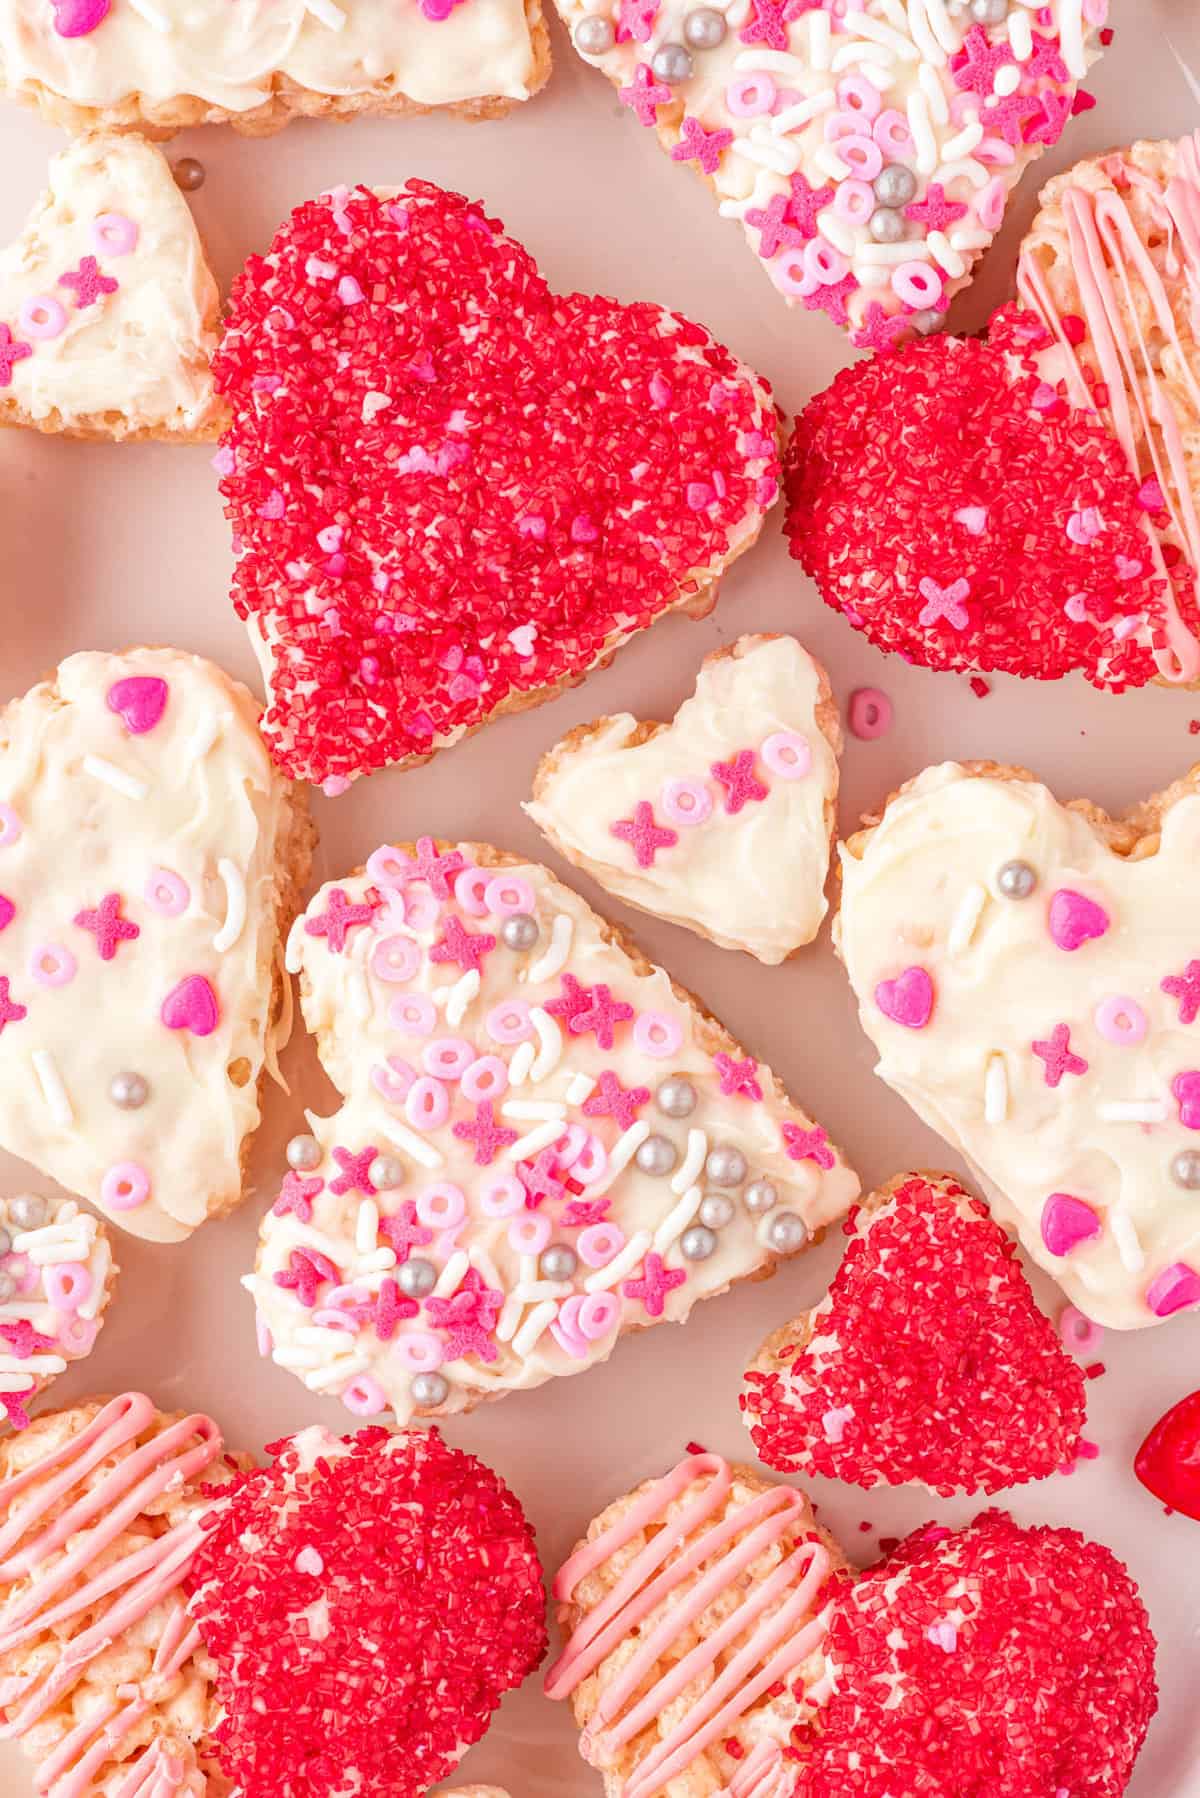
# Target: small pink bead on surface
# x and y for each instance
(76, 1335)
(918, 284)
(599, 1243)
(657, 1035)
(870, 713)
(862, 155)
(787, 754)
(890, 131)
(509, 1022)
(858, 95)
(386, 867)
(591, 1161)
(168, 893)
(112, 233)
(1121, 1021)
(1078, 1331)
(42, 318)
(394, 1081)
(447, 1057)
(486, 1078)
(750, 96)
(125, 1186)
(854, 201)
(597, 1315)
(52, 965)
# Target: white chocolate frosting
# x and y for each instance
(751, 879)
(232, 54)
(169, 837)
(387, 1007)
(136, 357)
(1104, 1129)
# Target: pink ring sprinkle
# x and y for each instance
(917, 284)
(76, 1336)
(870, 714)
(686, 802)
(125, 1186)
(442, 1205)
(413, 1015)
(529, 1234)
(599, 1243)
(10, 825)
(470, 888)
(340, 1297)
(421, 911)
(41, 317)
(858, 95)
(657, 1035)
(387, 867)
(862, 155)
(787, 754)
(509, 1022)
(506, 894)
(486, 1078)
(751, 96)
(113, 234)
(890, 131)
(393, 1082)
(365, 1397)
(824, 264)
(502, 1196)
(597, 1315)
(1078, 1331)
(1121, 1021)
(52, 965)
(570, 1147)
(166, 892)
(592, 1161)
(419, 1350)
(427, 1104)
(447, 1057)
(330, 1318)
(68, 1284)
(395, 959)
(854, 201)
(790, 273)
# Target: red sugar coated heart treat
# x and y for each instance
(1168, 1462)
(928, 1359)
(929, 497)
(996, 1663)
(453, 490)
(435, 1609)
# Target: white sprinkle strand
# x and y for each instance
(793, 117)
(1125, 1236)
(158, 20)
(366, 1227)
(534, 1141)
(293, 955)
(461, 995)
(619, 1157)
(620, 1265)
(359, 994)
(1070, 32)
(203, 738)
(33, 1364)
(946, 258)
(538, 1321)
(859, 25)
(819, 35)
(995, 1091)
(451, 1275)
(966, 920)
(327, 13)
(533, 1108)
(1133, 1111)
(1020, 34)
(98, 1268)
(115, 777)
(53, 1090)
(962, 143)
(678, 1219)
(922, 130)
(923, 38)
(549, 1045)
(522, 1061)
(581, 1087)
(411, 1143)
(339, 1374)
(13, 1382)
(235, 906)
(555, 958)
(689, 1171)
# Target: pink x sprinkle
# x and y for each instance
(308, 1269)
(655, 1283)
(646, 95)
(805, 203)
(767, 25)
(355, 1175)
(335, 923)
(1056, 110)
(1058, 1055)
(11, 352)
(488, 1136)
(807, 1145)
(435, 867)
(644, 836)
(10, 1011)
(14, 1410)
(737, 1076)
(832, 299)
(880, 330)
(1186, 988)
(580, 1213)
(402, 1232)
(23, 1340)
(107, 925)
(635, 19)
(89, 284)
(1008, 116)
(935, 211)
(465, 947)
(616, 1101)
(698, 145)
(775, 232)
(539, 1179)
(391, 1310)
(469, 1317)
(599, 1013)
(977, 64)
(739, 780)
(296, 1195)
(1045, 61)
(945, 602)
(1186, 1090)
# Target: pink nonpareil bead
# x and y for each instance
(447, 1057)
(787, 754)
(1078, 1332)
(125, 1187)
(501, 1196)
(870, 713)
(42, 318)
(168, 893)
(657, 1035)
(686, 802)
(507, 894)
(419, 1350)
(486, 1078)
(509, 1022)
(52, 965)
(112, 233)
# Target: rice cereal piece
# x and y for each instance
(1027, 972)
(544, 1142)
(927, 1360)
(162, 65)
(524, 479)
(57, 1275)
(104, 1680)
(722, 820)
(151, 860)
(108, 308)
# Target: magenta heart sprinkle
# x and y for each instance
(75, 18)
(908, 999)
(139, 701)
(192, 1005)
(1067, 1221)
(1076, 920)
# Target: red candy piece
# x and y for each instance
(422, 1570)
(941, 1369)
(1168, 1462)
(952, 462)
(996, 1663)
(451, 488)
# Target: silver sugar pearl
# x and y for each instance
(1185, 1169)
(887, 226)
(759, 1197)
(429, 1390)
(416, 1277)
(787, 1232)
(5, 1241)
(386, 1172)
(27, 1211)
(676, 1097)
(519, 931)
(705, 28)
(697, 1244)
(594, 36)
(304, 1154)
(989, 12)
(895, 185)
(129, 1091)
(558, 1262)
(725, 1166)
(671, 63)
(189, 174)
(927, 322)
(8, 1287)
(1016, 880)
(715, 1211)
(657, 1155)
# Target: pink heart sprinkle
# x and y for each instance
(1084, 527)
(1150, 496)
(192, 1005)
(8, 911)
(1076, 608)
(139, 701)
(75, 18)
(1067, 1221)
(1076, 920)
(973, 519)
(908, 999)
(1127, 568)
(1173, 1290)
(1186, 1088)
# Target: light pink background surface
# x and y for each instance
(103, 546)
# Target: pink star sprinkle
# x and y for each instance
(805, 203)
(488, 1136)
(945, 602)
(977, 64)
(807, 1145)
(766, 25)
(775, 233)
(655, 1283)
(11, 352)
(88, 282)
(355, 1175)
(1056, 110)
(1045, 61)
(539, 1179)
(580, 1213)
(1008, 116)
(644, 836)
(465, 947)
(1058, 1055)
(338, 920)
(107, 925)
(10, 1011)
(436, 868)
(739, 780)
(307, 1270)
(1186, 988)
(595, 1009)
(737, 1076)
(296, 1196)
(402, 1232)
(935, 210)
(391, 1310)
(646, 95)
(698, 145)
(23, 1340)
(469, 1317)
(616, 1101)
(832, 299)
(880, 331)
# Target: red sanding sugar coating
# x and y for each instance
(941, 1368)
(366, 1614)
(996, 1663)
(961, 513)
(450, 487)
